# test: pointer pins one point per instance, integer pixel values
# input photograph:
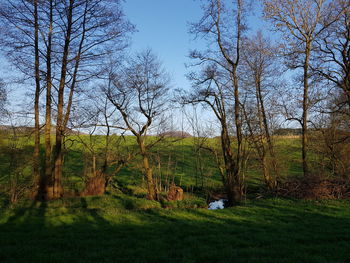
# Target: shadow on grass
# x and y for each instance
(34, 210)
(261, 232)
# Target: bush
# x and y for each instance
(316, 188)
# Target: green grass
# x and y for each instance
(178, 161)
(122, 226)
(115, 228)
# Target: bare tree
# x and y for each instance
(212, 88)
(261, 70)
(223, 25)
(301, 22)
(106, 152)
(200, 138)
(332, 60)
(47, 39)
(139, 92)
(72, 38)
(20, 38)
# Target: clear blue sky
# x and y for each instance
(163, 26)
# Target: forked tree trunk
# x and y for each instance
(233, 164)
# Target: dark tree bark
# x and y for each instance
(89, 29)
(36, 154)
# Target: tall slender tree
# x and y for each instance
(222, 24)
(36, 155)
(19, 40)
(301, 22)
(46, 174)
(261, 69)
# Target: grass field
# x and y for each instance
(178, 161)
(108, 229)
(122, 226)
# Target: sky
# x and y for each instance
(163, 26)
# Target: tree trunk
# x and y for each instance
(305, 110)
(272, 180)
(239, 157)
(36, 154)
(151, 187)
(45, 190)
(231, 179)
(58, 160)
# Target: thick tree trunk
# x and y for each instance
(152, 190)
(56, 183)
(151, 186)
(269, 180)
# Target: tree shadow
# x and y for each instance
(35, 209)
(263, 233)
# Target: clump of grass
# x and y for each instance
(189, 201)
(133, 203)
(137, 190)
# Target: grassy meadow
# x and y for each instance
(108, 229)
(122, 226)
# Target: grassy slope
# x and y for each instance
(101, 229)
(122, 228)
(182, 162)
